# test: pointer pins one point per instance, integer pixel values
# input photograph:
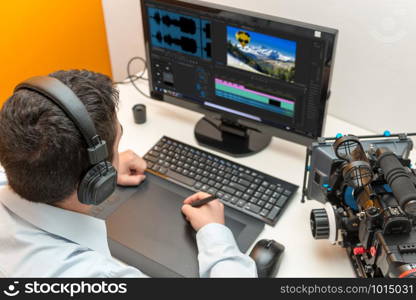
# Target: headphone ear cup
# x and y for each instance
(97, 184)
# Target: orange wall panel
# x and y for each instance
(38, 37)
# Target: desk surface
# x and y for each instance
(304, 256)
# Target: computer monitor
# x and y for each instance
(253, 76)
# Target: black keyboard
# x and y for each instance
(252, 192)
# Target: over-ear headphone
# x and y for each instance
(100, 180)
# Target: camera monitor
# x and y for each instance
(253, 76)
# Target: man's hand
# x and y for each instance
(212, 212)
(130, 168)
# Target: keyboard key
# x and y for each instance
(254, 186)
(282, 200)
(227, 197)
(264, 212)
(265, 184)
(163, 170)
(234, 200)
(287, 193)
(229, 190)
(198, 185)
(265, 198)
(253, 200)
(244, 182)
(224, 199)
(250, 191)
(205, 188)
(273, 213)
(212, 191)
(180, 178)
(272, 200)
(276, 195)
(151, 158)
(153, 153)
(241, 203)
(225, 182)
(237, 186)
(253, 207)
(247, 177)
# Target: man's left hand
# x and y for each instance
(130, 169)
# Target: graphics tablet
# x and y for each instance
(149, 231)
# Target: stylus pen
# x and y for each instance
(203, 201)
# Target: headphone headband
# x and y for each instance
(67, 101)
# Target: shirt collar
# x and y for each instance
(79, 228)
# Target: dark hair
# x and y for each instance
(41, 150)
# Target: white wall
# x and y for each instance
(124, 35)
(373, 79)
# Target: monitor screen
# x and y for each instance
(272, 72)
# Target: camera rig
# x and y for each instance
(367, 185)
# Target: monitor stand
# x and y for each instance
(230, 137)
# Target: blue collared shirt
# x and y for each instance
(40, 240)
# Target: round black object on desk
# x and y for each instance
(139, 113)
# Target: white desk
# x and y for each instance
(304, 256)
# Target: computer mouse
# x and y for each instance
(267, 254)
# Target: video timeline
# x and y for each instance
(177, 32)
(242, 94)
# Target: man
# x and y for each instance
(44, 230)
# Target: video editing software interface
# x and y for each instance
(254, 68)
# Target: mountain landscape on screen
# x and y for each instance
(260, 53)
